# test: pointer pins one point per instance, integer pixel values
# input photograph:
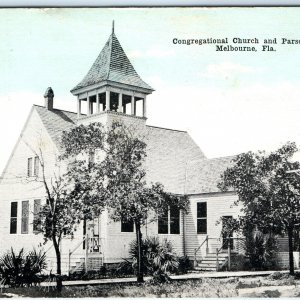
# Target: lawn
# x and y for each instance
(227, 287)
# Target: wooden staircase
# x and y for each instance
(212, 263)
(91, 259)
(77, 266)
(214, 254)
(94, 264)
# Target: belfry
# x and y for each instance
(112, 84)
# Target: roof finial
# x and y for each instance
(113, 26)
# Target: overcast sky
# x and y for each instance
(229, 102)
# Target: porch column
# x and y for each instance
(98, 102)
(88, 105)
(120, 107)
(78, 107)
(144, 107)
(132, 105)
(107, 100)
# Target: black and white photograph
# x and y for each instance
(150, 152)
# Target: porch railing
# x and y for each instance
(93, 248)
(219, 245)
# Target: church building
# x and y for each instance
(113, 91)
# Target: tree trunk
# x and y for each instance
(140, 275)
(58, 265)
(291, 258)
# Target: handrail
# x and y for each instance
(74, 249)
(226, 240)
(77, 246)
(51, 246)
(197, 249)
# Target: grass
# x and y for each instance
(200, 288)
(175, 289)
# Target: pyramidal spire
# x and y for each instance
(113, 65)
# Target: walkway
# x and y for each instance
(175, 277)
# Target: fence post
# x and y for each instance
(86, 253)
(217, 260)
(229, 253)
(207, 244)
(69, 268)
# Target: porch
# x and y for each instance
(91, 256)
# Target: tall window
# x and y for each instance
(29, 166)
(169, 222)
(36, 166)
(13, 217)
(163, 223)
(25, 217)
(36, 210)
(126, 226)
(202, 217)
(174, 220)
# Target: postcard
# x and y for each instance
(149, 152)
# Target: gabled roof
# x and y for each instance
(56, 121)
(173, 158)
(168, 152)
(112, 64)
(204, 175)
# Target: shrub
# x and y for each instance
(158, 259)
(184, 264)
(261, 250)
(21, 269)
(124, 268)
(239, 262)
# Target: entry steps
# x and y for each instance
(209, 262)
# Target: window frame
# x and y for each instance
(29, 167)
(13, 219)
(199, 218)
(126, 223)
(36, 163)
(36, 227)
(25, 217)
(168, 218)
(164, 221)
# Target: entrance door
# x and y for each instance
(227, 237)
(94, 236)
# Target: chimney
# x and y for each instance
(49, 95)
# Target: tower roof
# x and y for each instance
(112, 64)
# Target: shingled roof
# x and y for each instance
(168, 152)
(204, 175)
(56, 121)
(173, 158)
(112, 64)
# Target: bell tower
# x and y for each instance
(111, 86)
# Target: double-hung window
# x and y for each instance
(126, 226)
(36, 166)
(29, 166)
(36, 211)
(25, 217)
(33, 166)
(202, 217)
(169, 222)
(13, 217)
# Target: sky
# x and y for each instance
(229, 102)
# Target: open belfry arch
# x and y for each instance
(112, 84)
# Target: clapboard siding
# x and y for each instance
(17, 187)
(218, 205)
(117, 242)
(283, 260)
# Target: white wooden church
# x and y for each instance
(112, 90)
